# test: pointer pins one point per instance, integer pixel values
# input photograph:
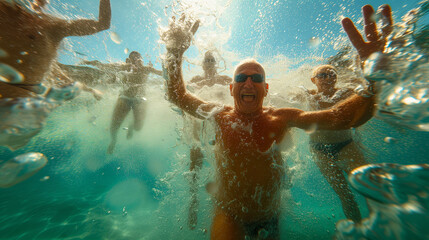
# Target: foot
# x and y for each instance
(130, 133)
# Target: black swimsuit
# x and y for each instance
(330, 149)
(264, 229)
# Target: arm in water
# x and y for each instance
(355, 110)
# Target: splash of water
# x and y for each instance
(20, 168)
(403, 72)
(398, 197)
(22, 118)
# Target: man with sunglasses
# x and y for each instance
(248, 162)
(334, 151)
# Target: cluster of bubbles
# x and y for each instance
(403, 73)
(398, 198)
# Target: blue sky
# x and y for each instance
(264, 29)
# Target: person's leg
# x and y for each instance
(196, 157)
(139, 110)
(119, 113)
(225, 227)
(336, 179)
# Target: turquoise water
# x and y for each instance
(141, 191)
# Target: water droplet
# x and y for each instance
(19, 61)
(9, 74)
(115, 38)
(126, 50)
(314, 42)
(389, 140)
(23, 53)
(20, 168)
(45, 178)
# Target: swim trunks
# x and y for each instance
(263, 229)
(330, 149)
(131, 101)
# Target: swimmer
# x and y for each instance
(132, 97)
(210, 78)
(334, 151)
(249, 168)
(31, 38)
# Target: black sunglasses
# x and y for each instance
(257, 78)
(326, 75)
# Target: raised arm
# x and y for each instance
(83, 27)
(355, 110)
(178, 39)
(154, 71)
(108, 67)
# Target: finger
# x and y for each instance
(387, 21)
(370, 26)
(354, 35)
(195, 27)
(182, 18)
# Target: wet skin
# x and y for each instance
(31, 41)
(248, 164)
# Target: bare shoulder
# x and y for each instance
(312, 92)
(196, 79)
(223, 79)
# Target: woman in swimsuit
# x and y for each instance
(334, 152)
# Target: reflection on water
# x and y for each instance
(398, 198)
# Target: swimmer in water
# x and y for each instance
(134, 78)
(210, 78)
(249, 167)
(30, 40)
(334, 151)
(28, 47)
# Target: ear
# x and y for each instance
(230, 89)
(266, 89)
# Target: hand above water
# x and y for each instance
(178, 36)
(376, 40)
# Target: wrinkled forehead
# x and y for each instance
(250, 68)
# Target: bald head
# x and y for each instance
(249, 63)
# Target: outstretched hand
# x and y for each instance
(179, 34)
(376, 40)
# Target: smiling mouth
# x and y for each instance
(248, 97)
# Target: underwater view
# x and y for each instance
(203, 119)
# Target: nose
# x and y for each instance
(248, 81)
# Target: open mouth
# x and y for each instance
(246, 97)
